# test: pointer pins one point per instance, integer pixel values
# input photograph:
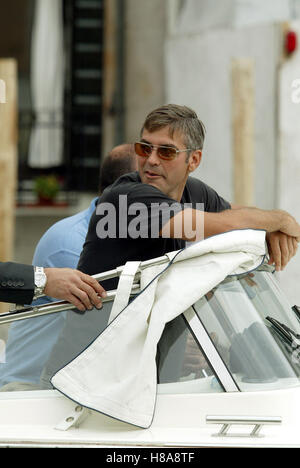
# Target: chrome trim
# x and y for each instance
(228, 421)
(21, 313)
(52, 308)
(210, 351)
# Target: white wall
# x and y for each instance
(144, 76)
(200, 15)
(198, 74)
(288, 188)
(251, 12)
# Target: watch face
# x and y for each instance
(40, 280)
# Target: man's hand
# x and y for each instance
(73, 286)
(281, 248)
(289, 225)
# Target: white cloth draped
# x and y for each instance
(116, 374)
(47, 84)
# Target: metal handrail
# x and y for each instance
(228, 421)
(21, 313)
(52, 308)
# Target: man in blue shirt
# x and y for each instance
(30, 341)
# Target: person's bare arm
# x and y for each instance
(281, 247)
(194, 225)
(73, 286)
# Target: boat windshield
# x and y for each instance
(254, 330)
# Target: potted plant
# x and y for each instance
(46, 187)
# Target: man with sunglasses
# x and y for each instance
(169, 150)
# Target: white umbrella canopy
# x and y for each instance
(47, 85)
(116, 373)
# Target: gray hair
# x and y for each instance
(180, 119)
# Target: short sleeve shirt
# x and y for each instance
(126, 223)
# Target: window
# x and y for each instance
(181, 362)
(247, 316)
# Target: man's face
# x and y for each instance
(168, 176)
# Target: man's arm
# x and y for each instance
(194, 225)
(17, 285)
(281, 247)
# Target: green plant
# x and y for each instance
(46, 187)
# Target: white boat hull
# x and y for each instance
(30, 419)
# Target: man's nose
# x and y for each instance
(153, 158)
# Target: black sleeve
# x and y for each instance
(203, 193)
(16, 283)
(153, 209)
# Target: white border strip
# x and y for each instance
(210, 351)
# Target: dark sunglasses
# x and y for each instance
(163, 152)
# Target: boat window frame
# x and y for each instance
(210, 351)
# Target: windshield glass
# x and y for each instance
(251, 321)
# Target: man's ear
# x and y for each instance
(194, 160)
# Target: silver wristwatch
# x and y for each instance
(40, 280)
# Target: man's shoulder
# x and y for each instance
(198, 191)
(63, 227)
(130, 185)
(123, 182)
(196, 188)
(193, 182)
